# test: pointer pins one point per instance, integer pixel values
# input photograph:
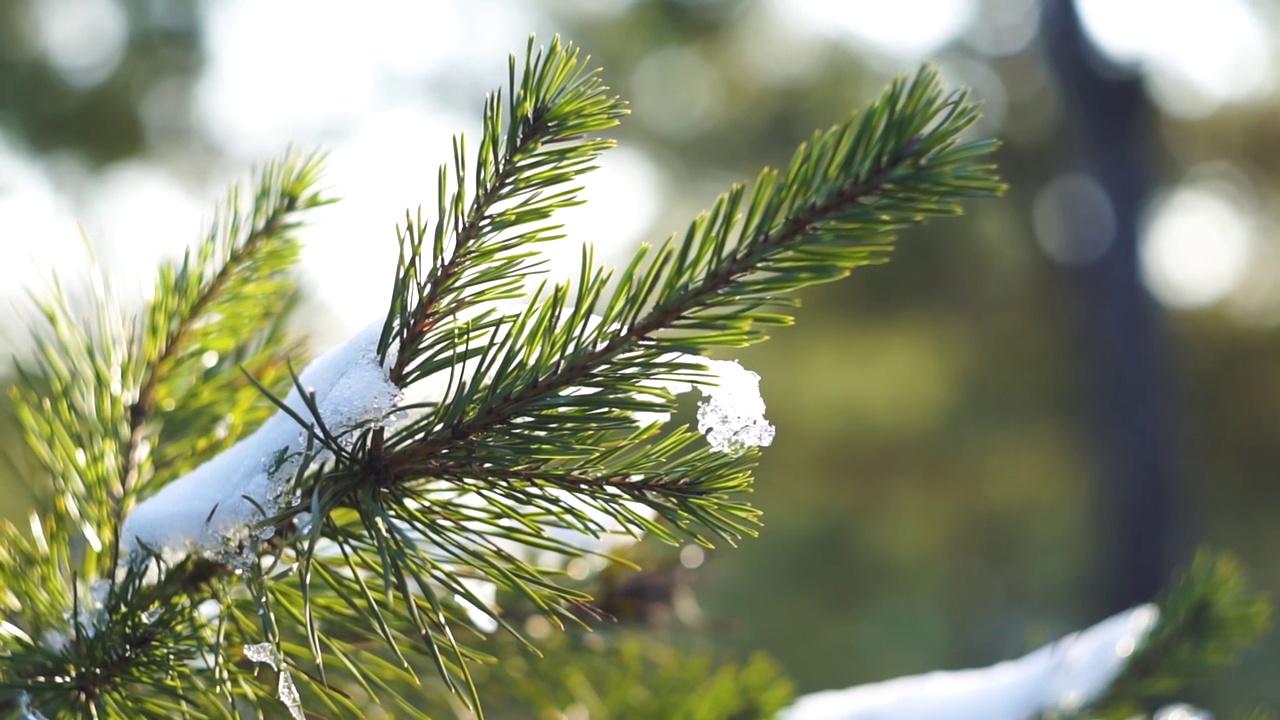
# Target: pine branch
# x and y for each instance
(101, 396)
(534, 431)
(480, 252)
(1206, 618)
(834, 210)
(384, 537)
(229, 291)
(554, 381)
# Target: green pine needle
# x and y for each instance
(1207, 617)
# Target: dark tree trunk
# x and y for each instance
(1140, 491)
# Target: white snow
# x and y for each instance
(732, 416)
(214, 504)
(1061, 677)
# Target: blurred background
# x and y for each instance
(1027, 421)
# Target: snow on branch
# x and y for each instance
(732, 416)
(1060, 678)
(215, 504)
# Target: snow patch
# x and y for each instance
(732, 416)
(731, 413)
(1060, 678)
(213, 506)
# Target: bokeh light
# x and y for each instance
(1197, 55)
(1196, 245)
(904, 29)
(1074, 220)
(83, 39)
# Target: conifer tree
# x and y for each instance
(227, 530)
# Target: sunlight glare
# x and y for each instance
(1196, 245)
(386, 167)
(622, 200)
(1199, 55)
(40, 233)
(903, 29)
(141, 214)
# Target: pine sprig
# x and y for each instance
(524, 171)
(526, 441)
(835, 209)
(1207, 617)
(108, 407)
(220, 308)
(532, 433)
(554, 384)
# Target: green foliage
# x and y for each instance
(627, 673)
(533, 435)
(110, 407)
(547, 411)
(98, 662)
(219, 315)
(1207, 617)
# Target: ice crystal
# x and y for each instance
(263, 653)
(285, 689)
